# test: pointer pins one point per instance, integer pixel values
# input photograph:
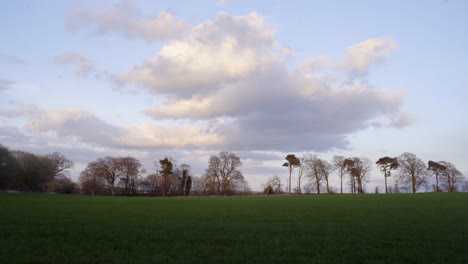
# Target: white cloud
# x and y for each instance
(359, 57)
(125, 19)
(226, 49)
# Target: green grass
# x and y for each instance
(404, 228)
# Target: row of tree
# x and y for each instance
(411, 172)
(24, 171)
(125, 175)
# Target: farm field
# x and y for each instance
(396, 228)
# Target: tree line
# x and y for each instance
(24, 171)
(411, 174)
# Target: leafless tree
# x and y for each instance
(60, 164)
(340, 168)
(451, 176)
(314, 169)
(129, 171)
(223, 172)
(412, 171)
(275, 183)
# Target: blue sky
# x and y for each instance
(259, 78)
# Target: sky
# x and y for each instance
(262, 79)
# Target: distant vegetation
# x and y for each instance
(405, 228)
(23, 171)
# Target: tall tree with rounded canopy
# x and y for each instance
(437, 169)
(386, 165)
(291, 163)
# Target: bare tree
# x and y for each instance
(451, 176)
(274, 183)
(292, 162)
(386, 165)
(165, 170)
(325, 169)
(314, 169)
(412, 171)
(301, 169)
(107, 168)
(437, 169)
(60, 164)
(340, 168)
(223, 172)
(130, 170)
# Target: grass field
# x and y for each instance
(403, 228)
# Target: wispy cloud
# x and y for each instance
(83, 65)
(125, 19)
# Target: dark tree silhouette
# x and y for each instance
(340, 168)
(165, 171)
(386, 165)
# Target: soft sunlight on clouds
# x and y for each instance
(228, 48)
(124, 18)
(359, 57)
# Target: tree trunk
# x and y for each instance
(413, 181)
(386, 190)
(341, 182)
(112, 189)
(289, 183)
(437, 183)
(299, 185)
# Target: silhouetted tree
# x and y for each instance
(437, 169)
(386, 165)
(292, 162)
(60, 164)
(275, 183)
(165, 171)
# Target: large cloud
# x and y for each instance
(126, 19)
(233, 74)
(224, 50)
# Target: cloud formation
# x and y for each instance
(124, 18)
(20, 110)
(232, 73)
